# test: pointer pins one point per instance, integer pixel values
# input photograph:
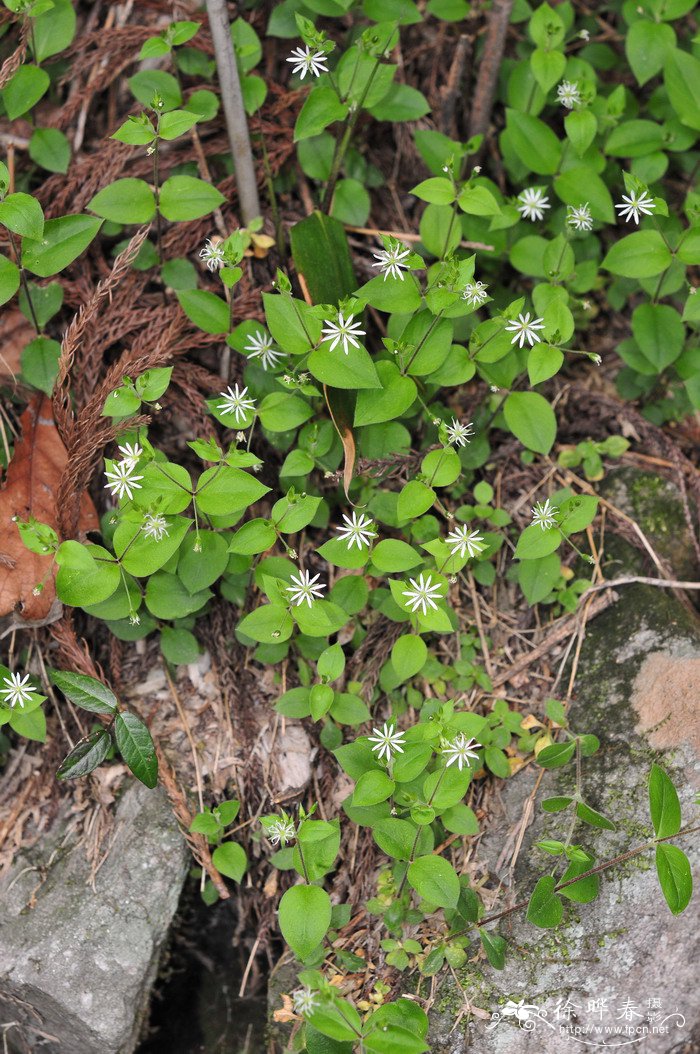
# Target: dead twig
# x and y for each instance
(485, 90)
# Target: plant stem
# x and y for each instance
(234, 110)
(23, 280)
(156, 192)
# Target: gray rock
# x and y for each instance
(78, 963)
(637, 688)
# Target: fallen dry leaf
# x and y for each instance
(15, 335)
(32, 480)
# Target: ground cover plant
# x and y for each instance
(307, 348)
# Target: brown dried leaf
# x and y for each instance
(16, 334)
(32, 480)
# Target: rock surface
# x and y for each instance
(77, 966)
(637, 688)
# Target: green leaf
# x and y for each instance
(176, 123)
(593, 817)
(372, 788)
(338, 370)
(53, 30)
(536, 578)
(437, 190)
(401, 103)
(581, 127)
(136, 747)
(304, 918)
(531, 420)
(675, 878)
(230, 860)
(63, 241)
(682, 80)
(582, 184)
(24, 90)
(86, 692)
(635, 139)
(9, 279)
(392, 555)
(659, 332)
(647, 45)
(86, 575)
(408, 656)
(395, 837)
(397, 395)
(545, 908)
(206, 310)
(434, 879)
(22, 214)
(125, 201)
(664, 805)
(148, 83)
(321, 254)
(86, 755)
(322, 107)
(268, 624)
(556, 755)
(202, 560)
(643, 254)
(415, 499)
(225, 491)
(187, 198)
(534, 142)
(280, 412)
(495, 948)
(179, 646)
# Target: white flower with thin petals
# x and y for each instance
(260, 346)
(634, 205)
(155, 526)
(305, 1001)
(387, 741)
(306, 61)
(344, 330)
(533, 202)
(525, 330)
(235, 403)
(121, 479)
(131, 453)
(461, 750)
(568, 94)
(213, 255)
(357, 531)
(423, 594)
(579, 217)
(464, 541)
(459, 434)
(389, 261)
(475, 293)
(17, 691)
(544, 514)
(281, 831)
(303, 589)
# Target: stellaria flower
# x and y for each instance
(307, 61)
(213, 255)
(460, 434)
(475, 293)
(544, 514)
(155, 526)
(281, 830)
(17, 691)
(525, 329)
(533, 202)
(131, 453)
(568, 94)
(121, 479)
(464, 541)
(344, 330)
(235, 403)
(580, 217)
(389, 260)
(357, 531)
(423, 594)
(260, 346)
(460, 750)
(387, 741)
(303, 589)
(305, 1001)
(636, 204)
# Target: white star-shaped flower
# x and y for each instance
(307, 61)
(475, 293)
(282, 830)
(533, 202)
(155, 526)
(343, 330)
(260, 346)
(463, 541)
(580, 217)
(235, 403)
(130, 453)
(357, 531)
(303, 588)
(634, 205)
(423, 595)
(544, 514)
(17, 691)
(460, 750)
(213, 255)
(121, 479)
(389, 261)
(568, 94)
(387, 741)
(305, 1001)
(460, 434)
(525, 330)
